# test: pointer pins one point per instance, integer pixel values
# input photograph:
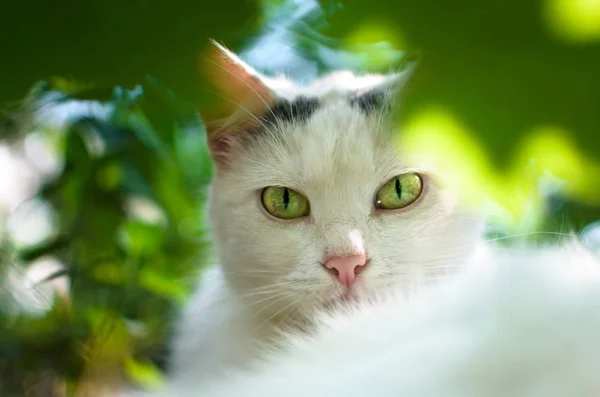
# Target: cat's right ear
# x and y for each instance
(241, 98)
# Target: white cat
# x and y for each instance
(312, 203)
(327, 231)
(522, 323)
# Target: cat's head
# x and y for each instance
(312, 199)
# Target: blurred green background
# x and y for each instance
(103, 163)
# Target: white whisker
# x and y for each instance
(272, 303)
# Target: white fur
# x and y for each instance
(514, 323)
(270, 274)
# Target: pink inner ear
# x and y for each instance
(239, 85)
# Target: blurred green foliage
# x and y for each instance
(500, 85)
(121, 265)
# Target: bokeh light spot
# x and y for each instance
(378, 44)
(574, 21)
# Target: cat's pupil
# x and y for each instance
(286, 198)
(398, 188)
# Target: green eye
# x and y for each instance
(284, 203)
(399, 192)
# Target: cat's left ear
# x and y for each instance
(242, 97)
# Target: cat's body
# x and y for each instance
(521, 323)
(315, 258)
(332, 143)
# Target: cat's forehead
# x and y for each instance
(338, 139)
(339, 97)
(322, 143)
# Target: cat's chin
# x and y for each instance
(346, 297)
(351, 295)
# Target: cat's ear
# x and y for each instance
(385, 92)
(241, 98)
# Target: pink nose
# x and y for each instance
(346, 268)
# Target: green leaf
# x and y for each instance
(162, 285)
(140, 239)
(144, 373)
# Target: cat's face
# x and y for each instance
(327, 162)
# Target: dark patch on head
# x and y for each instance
(298, 110)
(370, 101)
